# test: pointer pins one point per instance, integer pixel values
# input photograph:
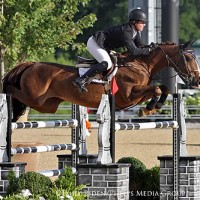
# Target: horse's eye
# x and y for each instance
(188, 58)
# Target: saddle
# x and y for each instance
(118, 60)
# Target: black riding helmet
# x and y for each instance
(137, 15)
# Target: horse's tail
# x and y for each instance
(13, 78)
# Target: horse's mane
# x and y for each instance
(167, 43)
(126, 57)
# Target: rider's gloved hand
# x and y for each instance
(153, 46)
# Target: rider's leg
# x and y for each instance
(81, 81)
(101, 56)
(98, 53)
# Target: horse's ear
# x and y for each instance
(187, 44)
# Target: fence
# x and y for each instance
(193, 113)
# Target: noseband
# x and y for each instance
(186, 77)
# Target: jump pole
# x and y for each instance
(176, 139)
(75, 135)
(176, 145)
(9, 125)
(112, 126)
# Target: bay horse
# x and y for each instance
(43, 86)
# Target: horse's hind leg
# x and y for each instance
(41, 103)
(49, 106)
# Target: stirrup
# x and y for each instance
(81, 87)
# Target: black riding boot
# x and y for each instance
(96, 69)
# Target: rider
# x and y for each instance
(126, 35)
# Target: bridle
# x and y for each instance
(186, 77)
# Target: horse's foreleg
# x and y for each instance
(163, 97)
(156, 103)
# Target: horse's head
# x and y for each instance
(184, 62)
(191, 66)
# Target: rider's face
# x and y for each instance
(139, 25)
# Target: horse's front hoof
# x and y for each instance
(141, 112)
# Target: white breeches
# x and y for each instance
(98, 53)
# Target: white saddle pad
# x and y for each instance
(82, 71)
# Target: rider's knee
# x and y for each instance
(109, 64)
(104, 65)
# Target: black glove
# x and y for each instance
(153, 46)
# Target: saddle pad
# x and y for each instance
(82, 71)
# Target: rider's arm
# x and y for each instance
(134, 45)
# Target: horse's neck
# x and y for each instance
(157, 64)
(153, 63)
(162, 59)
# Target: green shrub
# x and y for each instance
(136, 173)
(41, 186)
(65, 186)
(37, 184)
(67, 180)
(152, 182)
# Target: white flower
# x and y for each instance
(1, 197)
(41, 198)
(69, 197)
(26, 193)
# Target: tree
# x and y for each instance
(108, 13)
(30, 29)
(189, 20)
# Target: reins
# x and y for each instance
(184, 76)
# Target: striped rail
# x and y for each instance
(55, 172)
(39, 149)
(146, 125)
(46, 124)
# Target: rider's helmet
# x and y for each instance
(137, 15)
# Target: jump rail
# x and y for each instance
(71, 123)
(39, 149)
(146, 125)
(55, 172)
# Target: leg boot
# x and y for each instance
(83, 80)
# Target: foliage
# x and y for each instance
(15, 197)
(31, 29)
(136, 173)
(142, 179)
(66, 180)
(193, 100)
(37, 184)
(108, 13)
(42, 187)
(152, 182)
(189, 20)
(66, 184)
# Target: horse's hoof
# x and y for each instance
(141, 112)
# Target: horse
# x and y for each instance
(43, 86)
